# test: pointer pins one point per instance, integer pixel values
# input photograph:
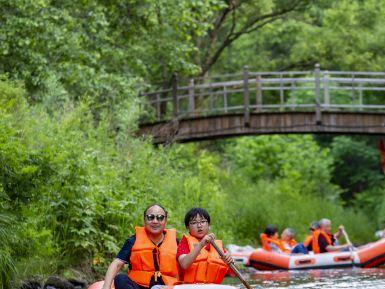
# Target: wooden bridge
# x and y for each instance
(252, 103)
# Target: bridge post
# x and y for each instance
(258, 100)
(361, 102)
(246, 97)
(175, 102)
(326, 90)
(317, 78)
(191, 97)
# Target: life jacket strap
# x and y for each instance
(157, 275)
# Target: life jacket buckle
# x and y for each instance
(157, 274)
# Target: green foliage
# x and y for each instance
(7, 265)
(286, 180)
(340, 35)
(356, 165)
(257, 204)
(372, 203)
(79, 190)
(296, 161)
(74, 180)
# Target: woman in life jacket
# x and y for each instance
(199, 260)
(287, 240)
(270, 241)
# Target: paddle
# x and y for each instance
(350, 247)
(232, 266)
(347, 238)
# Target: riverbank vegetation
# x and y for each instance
(74, 179)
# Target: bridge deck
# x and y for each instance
(230, 125)
(266, 103)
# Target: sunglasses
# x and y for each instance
(159, 218)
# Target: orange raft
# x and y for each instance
(99, 285)
(368, 256)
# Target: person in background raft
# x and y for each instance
(199, 260)
(323, 240)
(150, 254)
(307, 245)
(287, 240)
(270, 241)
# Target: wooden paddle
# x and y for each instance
(347, 238)
(350, 247)
(232, 266)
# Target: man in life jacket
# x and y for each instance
(199, 260)
(324, 241)
(150, 255)
(270, 241)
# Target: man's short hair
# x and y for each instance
(153, 205)
(323, 221)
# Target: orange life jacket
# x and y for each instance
(143, 254)
(288, 245)
(208, 266)
(315, 240)
(308, 240)
(266, 243)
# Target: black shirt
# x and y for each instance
(125, 252)
(322, 242)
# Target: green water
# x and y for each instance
(341, 278)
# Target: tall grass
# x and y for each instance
(7, 265)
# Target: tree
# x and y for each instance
(240, 18)
(340, 35)
(356, 165)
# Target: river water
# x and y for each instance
(341, 278)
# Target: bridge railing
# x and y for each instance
(258, 92)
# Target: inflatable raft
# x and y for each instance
(99, 285)
(368, 256)
(240, 254)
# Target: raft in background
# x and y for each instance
(240, 254)
(99, 285)
(367, 256)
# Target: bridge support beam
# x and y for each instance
(230, 125)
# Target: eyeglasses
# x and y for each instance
(197, 223)
(159, 218)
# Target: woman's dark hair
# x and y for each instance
(270, 230)
(153, 205)
(314, 225)
(193, 213)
